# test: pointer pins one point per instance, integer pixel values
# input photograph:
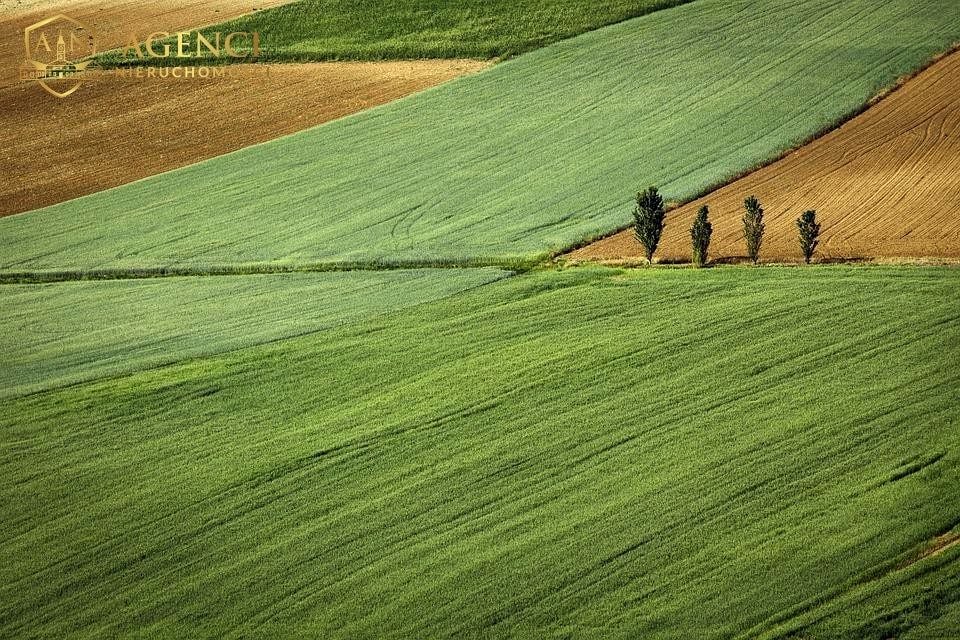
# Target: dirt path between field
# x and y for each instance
(117, 130)
(884, 185)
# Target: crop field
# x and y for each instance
(310, 30)
(588, 452)
(119, 130)
(112, 20)
(62, 333)
(883, 185)
(292, 353)
(180, 122)
(529, 157)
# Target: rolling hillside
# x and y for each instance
(256, 104)
(283, 393)
(112, 20)
(64, 333)
(528, 157)
(85, 145)
(310, 30)
(728, 453)
(883, 185)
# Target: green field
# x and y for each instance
(528, 157)
(211, 428)
(69, 332)
(659, 453)
(311, 30)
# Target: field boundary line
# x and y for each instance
(514, 265)
(883, 94)
(43, 276)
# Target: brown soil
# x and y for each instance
(941, 544)
(884, 185)
(116, 130)
(113, 21)
(938, 545)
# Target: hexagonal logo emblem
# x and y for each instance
(58, 51)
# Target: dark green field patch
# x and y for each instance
(314, 30)
(588, 453)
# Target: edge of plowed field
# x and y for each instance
(570, 253)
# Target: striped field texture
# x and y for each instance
(528, 157)
(312, 30)
(587, 453)
(56, 334)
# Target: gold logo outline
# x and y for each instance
(40, 66)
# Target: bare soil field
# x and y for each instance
(116, 130)
(884, 185)
(113, 21)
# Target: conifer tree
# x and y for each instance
(809, 234)
(648, 218)
(700, 234)
(753, 227)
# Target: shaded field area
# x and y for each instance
(312, 30)
(530, 157)
(117, 130)
(57, 334)
(589, 452)
(884, 185)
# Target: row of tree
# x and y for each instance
(649, 215)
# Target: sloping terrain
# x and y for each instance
(653, 454)
(55, 151)
(57, 334)
(884, 185)
(117, 130)
(583, 452)
(112, 20)
(530, 156)
(311, 30)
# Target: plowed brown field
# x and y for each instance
(113, 21)
(884, 185)
(116, 130)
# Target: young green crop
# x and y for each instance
(75, 331)
(311, 30)
(588, 453)
(531, 156)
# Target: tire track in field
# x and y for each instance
(238, 500)
(405, 538)
(719, 512)
(538, 483)
(539, 153)
(884, 185)
(290, 529)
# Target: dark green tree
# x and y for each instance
(809, 234)
(648, 218)
(753, 227)
(700, 234)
